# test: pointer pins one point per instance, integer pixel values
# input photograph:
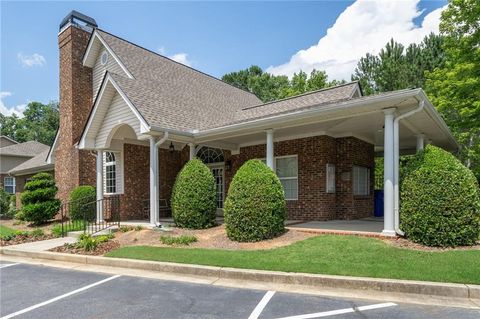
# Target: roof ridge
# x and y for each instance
(300, 95)
(181, 64)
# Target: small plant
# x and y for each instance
(37, 232)
(18, 233)
(38, 199)
(180, 240)
(125, 229)
(138, 228)
(87, 242)
(18, 222)
(83, 203)
(194, 197)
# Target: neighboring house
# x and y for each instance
(131, 118)
(23, 172)
(13, 155)
(6, 141)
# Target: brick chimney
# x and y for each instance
(74, 167)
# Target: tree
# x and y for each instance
(39, 204)
(454, 87)
(39, 123)
(396, 68)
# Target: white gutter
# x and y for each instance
(396, 164)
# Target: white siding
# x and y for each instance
(99, 70)
(118, 113)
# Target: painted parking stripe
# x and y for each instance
(261, 305)
(8, 265)
(341, 311)
(58, 298)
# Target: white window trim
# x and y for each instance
(286, 178)
(104, 53)
(367, 182)
(119, 174)
(14, 184)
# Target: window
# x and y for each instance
(361, 181)
(330, 187)
(287, 171)
(110, 173)
(210, 155)
(104, 58)
(9, 185)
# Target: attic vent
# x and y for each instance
(79, 20)
(104, 58)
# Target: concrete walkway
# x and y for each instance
(43, 245)
(371, 224)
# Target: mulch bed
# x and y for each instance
(101, 249)
(21, 239)
(404, 243)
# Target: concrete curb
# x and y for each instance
(312, 280)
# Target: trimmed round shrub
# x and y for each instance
(83, 203)
(255, 204)
(38, 199)
(440, 200)
(194, 196)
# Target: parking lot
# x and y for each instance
(33, 291)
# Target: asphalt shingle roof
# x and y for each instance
(174, 96)
(27, 149)
(36, 163)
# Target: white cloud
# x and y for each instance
(179, 57)
(28, 61)
(10, 110)
(364, 27)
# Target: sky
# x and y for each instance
(214, 37)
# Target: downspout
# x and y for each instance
(396, 164)
(157, 144)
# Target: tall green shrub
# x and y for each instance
(82, 203)
(4, 202)
(194, 196)
(38, 199)
(440, 200)
(255, 205)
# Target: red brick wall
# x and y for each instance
(313, 155)
(73, 167)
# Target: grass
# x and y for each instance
(180, 240)
(5, 231)
(329, 254)
(73, 226)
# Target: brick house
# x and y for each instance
(131, 118)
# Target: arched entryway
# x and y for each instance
(215, 160)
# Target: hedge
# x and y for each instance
(38, 199)
(194, 196)
(82, 203)
(255, 205)
(440, 200)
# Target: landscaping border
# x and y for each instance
(462, 291)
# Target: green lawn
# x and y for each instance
(4, 231)
(329, 254)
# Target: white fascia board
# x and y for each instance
(301, 114)
(50, 159)
(95, 35)
(88, 143)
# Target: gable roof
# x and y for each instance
(8, 140)
(27, 149)
(36, 164)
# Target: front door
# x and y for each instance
(218, 174)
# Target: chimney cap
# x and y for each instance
(74, 16)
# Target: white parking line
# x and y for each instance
(8, 265)
(58, 298)
(261, 305)
(341, 311)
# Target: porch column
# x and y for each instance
(420, 142)
(270, 159)
(153, 180)
(192, 150)
(99, 185)
(388, 177)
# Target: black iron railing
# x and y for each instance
(81, 215)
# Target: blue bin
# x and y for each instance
(378, 203)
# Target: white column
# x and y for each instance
(99, 186)
(420, 142)
(388, 177)
(270, 152)
(192, 150)
(153, 181)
